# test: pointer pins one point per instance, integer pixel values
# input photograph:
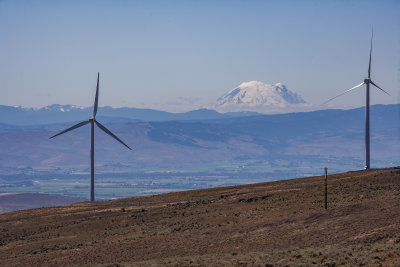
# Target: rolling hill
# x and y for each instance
(66, 113)
(267, 224)
(291, 137)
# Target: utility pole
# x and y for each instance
(326, 187)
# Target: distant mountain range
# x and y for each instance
(260, 97)
(171, 143)
(248, 99)
(68, 113)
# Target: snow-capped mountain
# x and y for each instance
(260, 97)
(62, 108)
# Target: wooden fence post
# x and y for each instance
(326, 187)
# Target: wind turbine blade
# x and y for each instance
(72, 128)
(370, 55)
(110, 133)
(345, 92)
(96, 100)
(378, 87)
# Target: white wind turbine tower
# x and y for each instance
(367, 82)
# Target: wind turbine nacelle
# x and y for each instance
(366, 81)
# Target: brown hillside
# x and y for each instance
(279, 223)
(20, 201)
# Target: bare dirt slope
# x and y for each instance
(278, 223)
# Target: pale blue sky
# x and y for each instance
(181, 55)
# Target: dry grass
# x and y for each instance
(371, 255)
(280, 223)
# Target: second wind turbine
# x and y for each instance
(93, 121)
(367, 82)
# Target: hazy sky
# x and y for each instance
(181, 55)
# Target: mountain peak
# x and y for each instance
(260, 97)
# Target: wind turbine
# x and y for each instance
(93, 121)
(367, 82)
